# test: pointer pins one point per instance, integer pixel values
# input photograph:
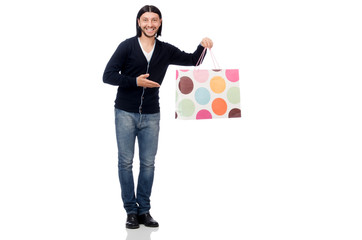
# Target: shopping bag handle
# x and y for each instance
(216, 64)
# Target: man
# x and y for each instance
(138, 67)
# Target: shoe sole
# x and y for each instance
(152, 226)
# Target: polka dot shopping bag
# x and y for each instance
(207, 94)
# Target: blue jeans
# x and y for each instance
(146, 128)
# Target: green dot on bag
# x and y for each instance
(186, 108)
(233, 95)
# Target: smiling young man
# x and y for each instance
(138, 67)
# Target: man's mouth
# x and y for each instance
(150, 30)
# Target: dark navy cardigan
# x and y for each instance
(128, 62)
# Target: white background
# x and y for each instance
(290, 168)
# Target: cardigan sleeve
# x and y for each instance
(113, 72)
(179, 57)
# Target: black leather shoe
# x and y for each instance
(147, 220)
(132, 221)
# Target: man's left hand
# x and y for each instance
(207, 43)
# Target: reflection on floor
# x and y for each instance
(142, 233)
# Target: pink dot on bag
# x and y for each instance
(201, 75)
(232, 75)
(203, 114)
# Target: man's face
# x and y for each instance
(149, 23)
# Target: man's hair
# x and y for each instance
(148, 8)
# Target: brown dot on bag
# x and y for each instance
(186, 85)
(235, 113)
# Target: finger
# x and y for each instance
(209, 43)
(152, 84)
(203, 43)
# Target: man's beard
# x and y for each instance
(144, 33)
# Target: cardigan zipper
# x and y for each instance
(143, 92)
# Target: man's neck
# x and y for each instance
(147, 42)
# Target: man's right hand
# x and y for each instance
(142, 81)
